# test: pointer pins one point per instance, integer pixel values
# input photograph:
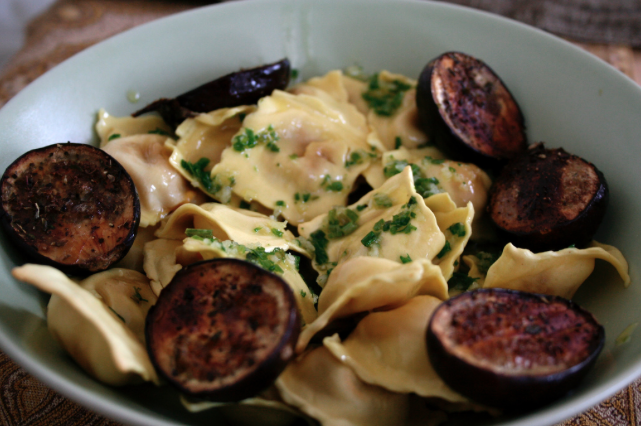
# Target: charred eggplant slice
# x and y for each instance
(547, 199)
(223, 329)
(510, 349)
(244, 87)
(71, 206)
(467, 111)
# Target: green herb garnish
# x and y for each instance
(249, 140)
(341, 221)
(114, 136)
(406, 259)
(398, 142)
(385, 97)
(202, 233)
(277, 232)
(446, 249)
(460, 281)
(319, 241)
(197, 170)
(457, 229)
(382, 201)
(159, 131)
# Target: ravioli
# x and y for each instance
(464, 182)
(329, 391)
(395, 223)
(93, 333)
(110, 128)
(557, 273)
(294, 151)
(228, 223)
(400, 126)
(388, 349)
(160, 187)
(202, 140)
(364, 284)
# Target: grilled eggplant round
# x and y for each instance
(468, 112)
(223, 329)
(547, 199)
(244, 87)
(510, 349)
(71, 206)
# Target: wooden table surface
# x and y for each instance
(72, 25)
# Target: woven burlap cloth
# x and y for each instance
(73, 25)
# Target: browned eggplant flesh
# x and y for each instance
(510, 349)
(547, 199)
(223, 329)
(244, 87)
(71, 206)
(468, 112)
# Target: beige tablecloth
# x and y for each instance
(69, 27)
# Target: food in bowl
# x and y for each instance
(382, 216)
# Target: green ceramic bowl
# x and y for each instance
(569, 99)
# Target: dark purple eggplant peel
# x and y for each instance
(223, 329)
(70, 205)
(512, 350)
(547, 199)
(468, 112)
(244, 87)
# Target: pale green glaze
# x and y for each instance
(569, 99)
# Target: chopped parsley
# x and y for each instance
(460, 281)
(486, 259)
(452, 169)
(406, 258)
(385, 97)
(294, 76)
(335, 186)
(244, 205)
(277, 232)
(382, 201)
(293, 156)
(249, 140)
(241, 116)
(394, 167)
(445, 250)
(361, 207)
(302, 294)
(280, 203)
(431, 160)
(355, 157)
(197, 170)
(319, 241)
(341, 221)
(398, 142)
(200, 233)
(258, 228)
(260, 257)
(117, 314)
(427, 187)
(457, 229)
(114, 136)
(400, 224)
(137, 297)
(159, 131)
(303, 197)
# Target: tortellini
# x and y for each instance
(98, 336)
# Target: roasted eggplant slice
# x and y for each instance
(467, 111)
(510, 349)
(223, 329)
(71, 206)
(547, 199)
(244, 87)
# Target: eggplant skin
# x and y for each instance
(223, 329)
(70, 205)
(548, 199)
(468, 112)
(512, 350)
(244, 87)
